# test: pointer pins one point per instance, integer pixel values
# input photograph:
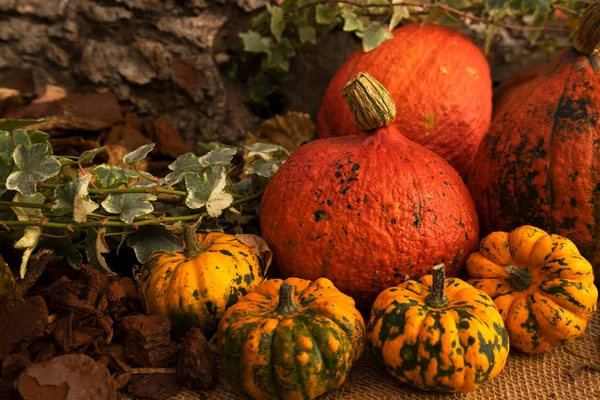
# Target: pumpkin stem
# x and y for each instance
(286, 305)
(519, 279)
(587, 39)
(192, 246)
(438, 298)
(370, 103)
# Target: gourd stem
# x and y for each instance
(587, 39)
(438, 298)
(518, 278)
(286, 305)
(192, 246)
(370, 103)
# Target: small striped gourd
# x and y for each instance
(292, 339)
(195, 287)
(540, 283)
(438, 334)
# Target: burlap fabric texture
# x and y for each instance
(555, 375)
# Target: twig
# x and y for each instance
(137, 371)
(429, 6)
(36, 267)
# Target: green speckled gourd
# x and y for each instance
(292, 339)
(195, 287)
(438, 334)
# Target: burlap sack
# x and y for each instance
(560, 374)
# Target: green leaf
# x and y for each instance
(37, 136)
(280, 56)
(138, 154)
(373, 35)
(260, 86)
(277, 24)
(10, 124)
(266, 151)
(208, 189)
(400, 13)
(255, 43)
(87, 157)
(264, 168)
(74, 197)
(352, 22)
(95, 246)
(110, 177)
(32, 234)
(326, 14)
(7, 147)
(218, 156)
(129, 205)
(63, 247)
(187, 162)
(493, 5)
(152, 239)
(33, 165)
(307, 34)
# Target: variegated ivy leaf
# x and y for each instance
(138, 154)
(95, 246)
(31, 237)
(74, 197)
(88, 156)
(130, 205)
(266, 151)
(110, 177)
(10, 124)
(218, 156)
(33, 165)
(208, 189)
(400, 13)
(151, 239)
(264, 168)
(7, 147)
(187, 162)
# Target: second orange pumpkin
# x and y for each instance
(440, 82)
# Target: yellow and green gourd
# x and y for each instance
(292, 339)
(195, 287)
(438, 334)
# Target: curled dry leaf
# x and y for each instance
(10, 292)
(68, 377)
(259, 247)
(289, 131)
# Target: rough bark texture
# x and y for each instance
(155, 54)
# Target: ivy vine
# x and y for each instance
(263, 54)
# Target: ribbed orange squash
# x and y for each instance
(367, 211)
(539, 163)
(541, 285)
(440, 82)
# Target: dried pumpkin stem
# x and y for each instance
(438, 298)
(518, 278)
(587, 39)
(370, 103)
(192, 246)
(286, 305)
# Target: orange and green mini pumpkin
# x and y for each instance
(540, 283)
(292, 339)
(195, 287)
(438, 334)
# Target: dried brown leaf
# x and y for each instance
(259, 247)
(68, 377)
(289, 131)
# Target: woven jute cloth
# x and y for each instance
(560, 374)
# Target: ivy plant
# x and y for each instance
(82, 211)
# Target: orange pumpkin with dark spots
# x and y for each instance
(539, 163)
(438, 78)
(369, 211)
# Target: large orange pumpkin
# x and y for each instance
(539, 163)
(440, 82)
(367, 211)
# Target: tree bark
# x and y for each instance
(156, 55)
